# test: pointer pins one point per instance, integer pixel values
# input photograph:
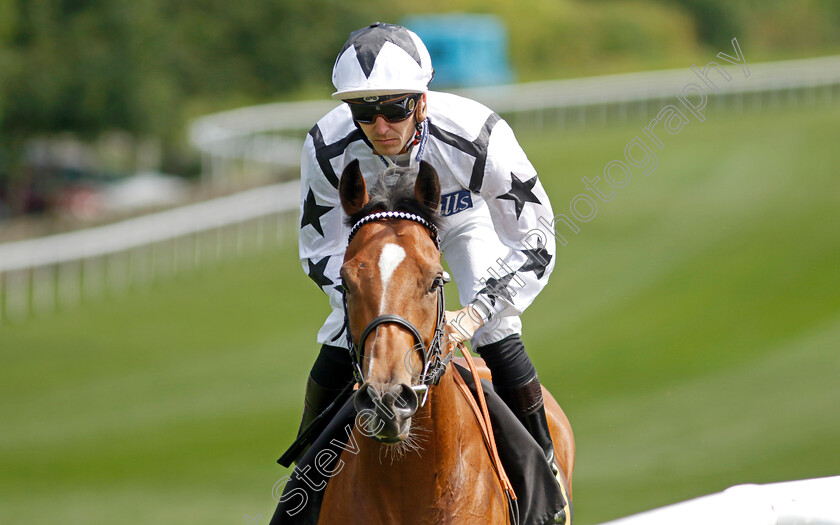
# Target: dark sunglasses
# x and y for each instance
(393, 109)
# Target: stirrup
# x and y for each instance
(564, 515)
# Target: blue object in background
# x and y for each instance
(466, 50)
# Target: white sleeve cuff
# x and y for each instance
(482, 308)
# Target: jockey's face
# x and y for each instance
(392, 138)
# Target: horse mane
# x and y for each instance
(393, 190)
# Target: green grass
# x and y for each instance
(691, 331)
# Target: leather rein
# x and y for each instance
(433, 363)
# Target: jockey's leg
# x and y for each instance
(515, 380)
(330, 374)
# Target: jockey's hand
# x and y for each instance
(462, 324)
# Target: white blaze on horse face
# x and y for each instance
(391, 257)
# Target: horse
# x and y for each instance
(439, 470)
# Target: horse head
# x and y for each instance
(392, 278)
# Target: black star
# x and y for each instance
(316, 272)
(520, 193)
(312, 212)
(538, 260)
(368, 41)
(497, 288)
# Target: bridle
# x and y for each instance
(433, 363)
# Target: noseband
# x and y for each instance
(433, 364)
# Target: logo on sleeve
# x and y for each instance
(455, 202)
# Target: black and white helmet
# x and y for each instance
(382, 59)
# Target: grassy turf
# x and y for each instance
(690, 330)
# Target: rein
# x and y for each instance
(433, 363)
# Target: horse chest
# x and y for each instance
(451, 482)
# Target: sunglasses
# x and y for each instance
(393, 110)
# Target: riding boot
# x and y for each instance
(537, 426)
(526, 402)
(315, 401)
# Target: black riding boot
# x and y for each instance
(526, 402)
(516, 381)
(315, 401)
(331, 375)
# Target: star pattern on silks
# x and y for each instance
(368, 42)
(520, 193)
(317, 272)
(497, 288)
(538, 260)
(312, 213)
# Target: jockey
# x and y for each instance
(492, 204)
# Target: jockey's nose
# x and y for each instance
(387, 401)
(380, 125)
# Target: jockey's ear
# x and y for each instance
(352, 189)
(427, 187)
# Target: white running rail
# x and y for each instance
(149, 229)
(804, 502)
(42, 275)
(272, 133)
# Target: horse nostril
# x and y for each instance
(366, 398)
(406, 401)
(398, 400)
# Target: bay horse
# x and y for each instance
(439, 470)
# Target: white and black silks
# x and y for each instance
(495, 210)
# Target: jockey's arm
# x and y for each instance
(322, 236)
(516, 201)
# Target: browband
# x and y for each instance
(396, 215)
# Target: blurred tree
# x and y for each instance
(88, 67)
(717, 21)
(92, 66)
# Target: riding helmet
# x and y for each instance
(381, 59)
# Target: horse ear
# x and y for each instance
(427, 187)
(352, 189)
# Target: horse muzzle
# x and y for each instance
(388, 408)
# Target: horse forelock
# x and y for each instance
(393, 190)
